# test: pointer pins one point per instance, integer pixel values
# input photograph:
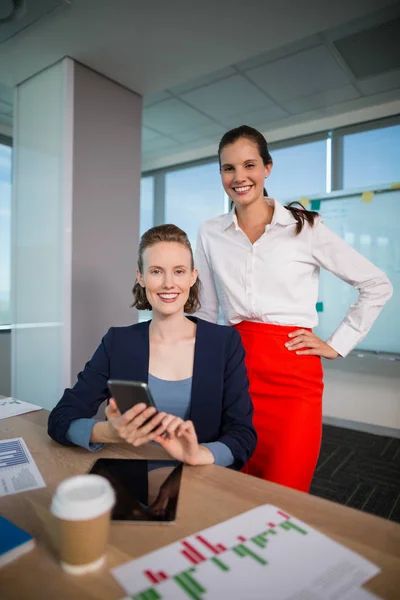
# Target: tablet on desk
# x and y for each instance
(147, 491)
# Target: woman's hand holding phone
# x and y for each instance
(181, 442)
(133, 426)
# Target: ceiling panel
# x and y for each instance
(321, 99)
(201, 133)
(227, 97)
(309, 71)
(148, 135)
(348, 105)
(6, 93)
(5, 107)
(200, 81)
(372, 51)
(28, 14)
(151, 99)
(380, 83)
(161, 144)
(6, 120)
(277, 53)
(271, 113)
(172, 116)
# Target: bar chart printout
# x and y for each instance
(263, 553)
(18, 470)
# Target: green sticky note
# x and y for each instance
(320, 307)
(315, 204)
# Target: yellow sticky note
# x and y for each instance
(395, 186)
(304, 201)
(367, 196)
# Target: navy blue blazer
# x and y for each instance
(221, 408)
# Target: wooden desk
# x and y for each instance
(209, 495)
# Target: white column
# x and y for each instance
(75, 220)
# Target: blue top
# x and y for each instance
(220, 404)
(172, 397)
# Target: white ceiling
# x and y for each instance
(207, 66)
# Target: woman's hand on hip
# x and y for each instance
(181, 442)
(307, 343)
(133, 426)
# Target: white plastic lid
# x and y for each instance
(82, 497)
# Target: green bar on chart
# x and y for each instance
(261, 539)
(150, 594)
(220, 564)
(242, 551)
(189, 585)
(289, 525)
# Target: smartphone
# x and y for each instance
(146, 491)
(129, 393)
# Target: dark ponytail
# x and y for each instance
(301, 215)
(244, 131)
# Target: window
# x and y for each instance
(146, 204)
(5, 233)
(193, 195)
(371, 157)
(298, 171)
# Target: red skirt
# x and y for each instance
(286, 389)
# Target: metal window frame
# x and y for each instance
(160, 175)
(299, 140)
(338, 135)
(369, 125)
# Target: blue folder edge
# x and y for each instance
(14, 541)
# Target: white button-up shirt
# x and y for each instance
(275, 280)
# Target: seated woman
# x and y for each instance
(195, 370)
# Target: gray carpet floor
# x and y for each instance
(360, 470)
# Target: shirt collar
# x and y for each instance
(281, 215)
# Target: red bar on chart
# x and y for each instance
(193, 551)
(155, 577)
(192, 559)
(282, 514)
(271, 524)
(241, 538)
(217, 549)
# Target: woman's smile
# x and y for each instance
(168, 296)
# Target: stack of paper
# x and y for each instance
(11, 407)
(264, 553)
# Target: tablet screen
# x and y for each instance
(146, 490)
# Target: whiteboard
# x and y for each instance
(373, 229)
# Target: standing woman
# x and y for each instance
(260, 263)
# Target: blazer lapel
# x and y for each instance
(133, 363)
(202, 383)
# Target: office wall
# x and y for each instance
(362, 390)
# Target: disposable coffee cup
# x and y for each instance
(82, 506)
